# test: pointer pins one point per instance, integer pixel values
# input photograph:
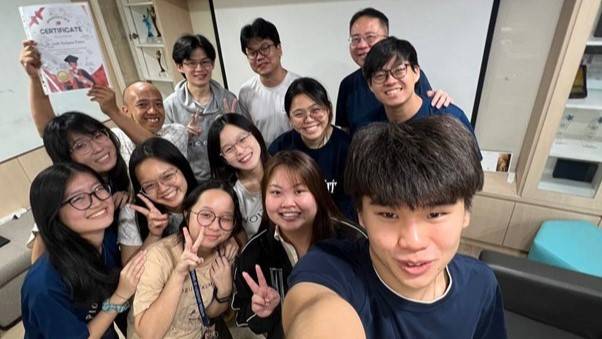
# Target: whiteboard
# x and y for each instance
(17, 131)
(449, 36)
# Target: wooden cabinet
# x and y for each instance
(489, 220)
(153, 27)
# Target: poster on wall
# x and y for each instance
(68, 45)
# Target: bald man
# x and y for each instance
(141, 117)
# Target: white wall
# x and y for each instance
(449, 37)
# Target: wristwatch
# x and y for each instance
(221, 300)
(108, 307)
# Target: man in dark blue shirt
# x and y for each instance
(412, 184)
(355, 102)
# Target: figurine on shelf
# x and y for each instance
(151, 12)
(591, 130)
(147, 23)
(566, 121)
(162, 73)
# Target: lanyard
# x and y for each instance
(199, 299)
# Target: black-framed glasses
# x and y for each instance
(263, 50)
(150, 188)
(230, 150)
(83, 145)
(83, 201)
(397, 72)
(316, 112)
(369, 38)
(206, 217)
(205, 63)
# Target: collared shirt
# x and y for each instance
(288, 248)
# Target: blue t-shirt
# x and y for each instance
(471, 307)
(46, 303)
(426, 110)
(356, 102)
(331, 159)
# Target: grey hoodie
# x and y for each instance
(180, 107)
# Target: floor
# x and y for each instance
(17, 331)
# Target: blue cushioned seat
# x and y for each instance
(571, 244)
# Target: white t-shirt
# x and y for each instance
(174, 133)
(266, 105)
(251, 208)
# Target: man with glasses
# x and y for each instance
(355, 102)
(198, 99)
(263, 95)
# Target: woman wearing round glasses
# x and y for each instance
(310, 114)
(187, 278)
(76, 288)
(237, 155)
(392, 71)
(161, 179)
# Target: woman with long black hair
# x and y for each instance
(76, 288)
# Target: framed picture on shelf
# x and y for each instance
(579, 89)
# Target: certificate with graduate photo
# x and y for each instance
(68, 45)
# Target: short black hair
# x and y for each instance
(417, 164)
(187, 43)
(372, 13)
(385, 50)
(310, 87)
(259, 29)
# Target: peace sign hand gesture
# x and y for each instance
(230, 108)
(157, 221)
(265, 299)
(192, 128)
(189, 260)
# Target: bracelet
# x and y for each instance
(221, 300)
(108, 307)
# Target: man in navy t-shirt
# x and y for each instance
(355, 102)
(412, 185)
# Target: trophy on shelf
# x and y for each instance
(151, 12)
(566, 121)
(590, 132)
(162, 73)
(150, 38)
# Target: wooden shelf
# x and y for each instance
(592, 101)
(565, 186)
(147, 45)
(136, 4)
(574, 149)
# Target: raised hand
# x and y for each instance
(157, 221)
(30, 58)
(130, 276)
(439, 98)
(221, 274)
(192, 128)
(121, 198)
(105, 98)
(229, 249)
(230, 108)
(189, 259)
(265, 299)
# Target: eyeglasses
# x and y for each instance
(397, 72)
(316, 112)
(242, 141)
(83, 201)
(206, 217)
(263, 50)
(150, 188)
(83, 145)
(369, 38)
(205, 63)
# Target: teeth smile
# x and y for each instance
(290, 214)
(98, 214)
(392, 91)
(170, 195)
(103, 158)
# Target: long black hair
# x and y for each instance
(56, 142)
(76, 260)
(219, 166)
(165, 151)
(194, 196)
